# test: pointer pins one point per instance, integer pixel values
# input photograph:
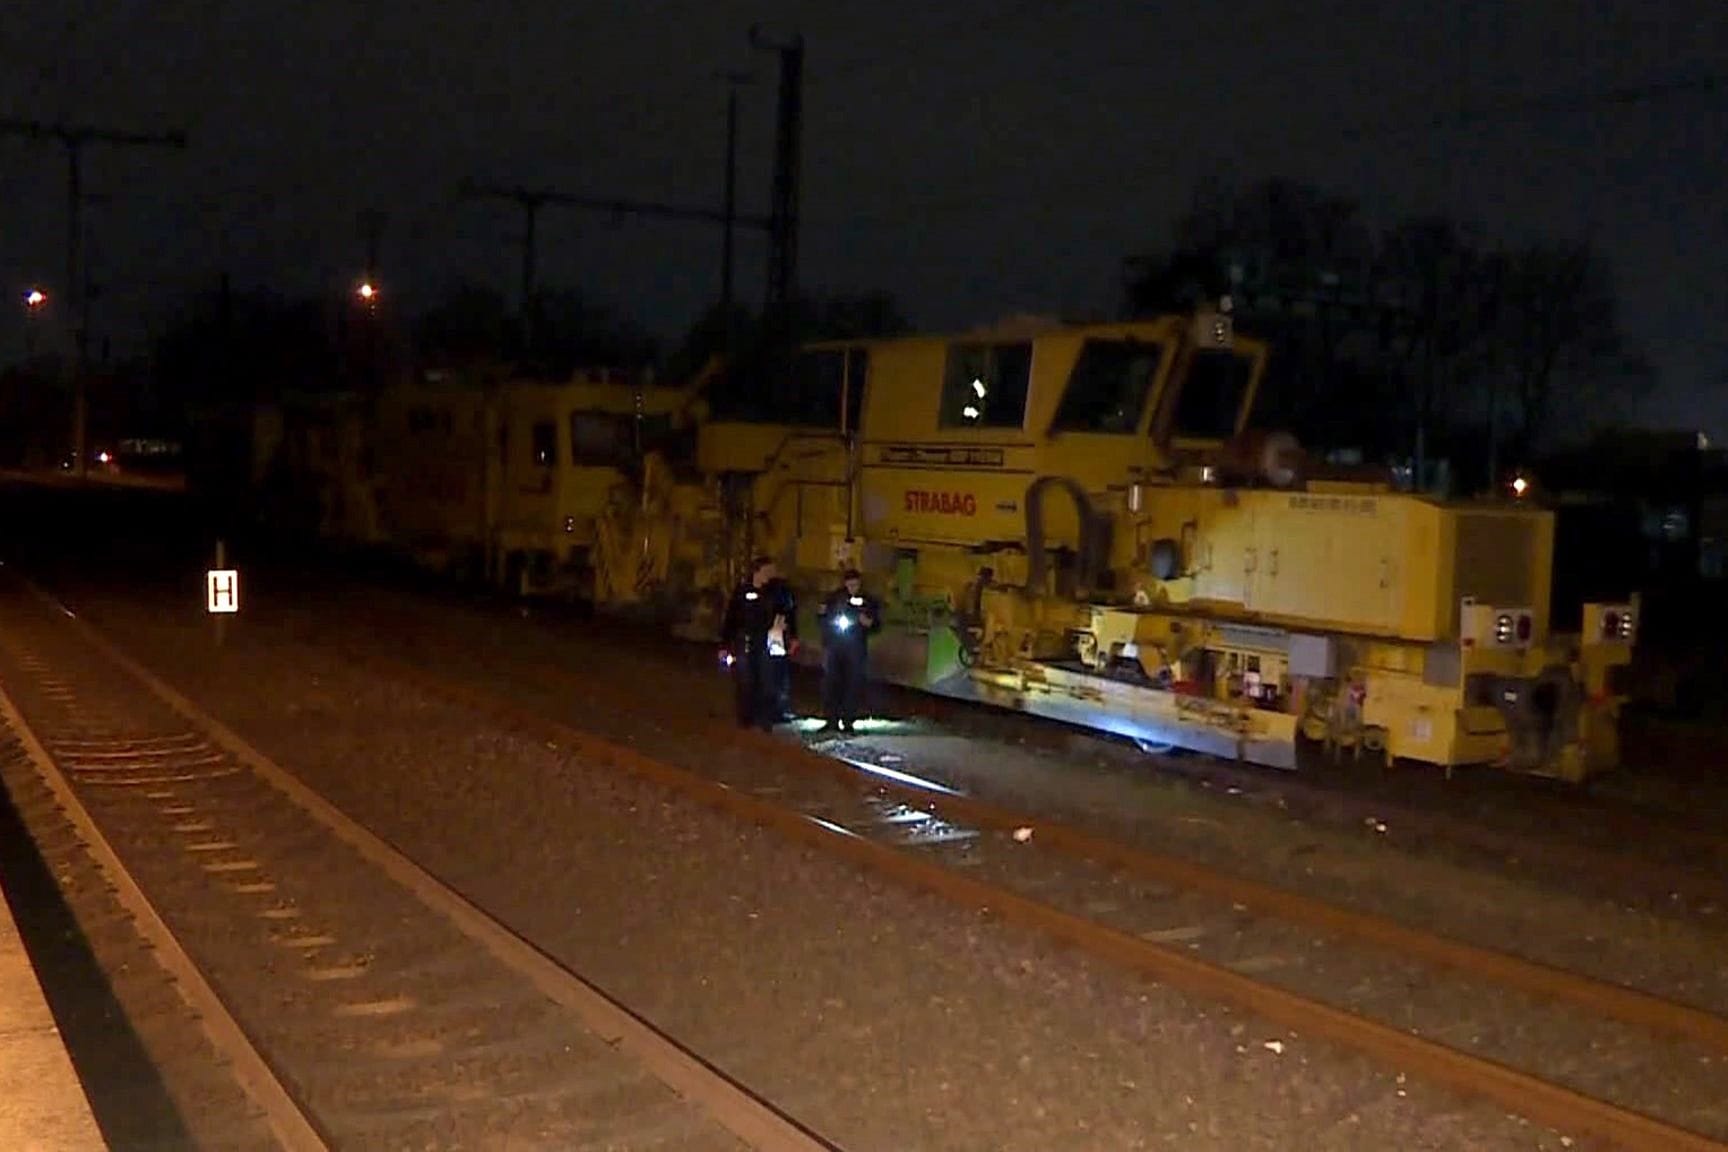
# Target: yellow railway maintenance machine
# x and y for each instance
(1074, 522)
(511, 481)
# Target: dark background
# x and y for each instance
(972, 159)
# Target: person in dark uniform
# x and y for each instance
(752, 629)
(785, 601)
(849, 618)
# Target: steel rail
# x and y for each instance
(1518, 1092)
(1544, 981)
(288, 1120)
(756, 1121)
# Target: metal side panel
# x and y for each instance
(1138, 713)
(1143, 714)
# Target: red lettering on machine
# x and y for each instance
(942, 503)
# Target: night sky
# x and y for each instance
(974, 159)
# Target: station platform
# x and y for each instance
(42, 1103)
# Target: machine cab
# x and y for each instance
(562, 450)
(1102, 407)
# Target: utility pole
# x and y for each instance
(372, 236)
(783, 234)
(1448, 301)
(729, 199)
(372, 231)
(532, 200)
(74, 138)
(619, 206)
(729, 206)
(530, 245)
(1459, 135)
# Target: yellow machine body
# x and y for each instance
(1073, 521)
(314, 452)
(428, 475)
(504, 481)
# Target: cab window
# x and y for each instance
(544, 443)
(817, 378)
(600, 439)
(1212, 395)
(986, 386)
(1109, 387)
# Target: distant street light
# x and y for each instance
(35, 303)
(367, 292)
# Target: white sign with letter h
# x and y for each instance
(222, 590)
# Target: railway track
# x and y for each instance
(1659, 861)
(1669, 863)
(1192, 929)
(356, 1000)
(1640, 858)
(1492, 802)
(1311, 968)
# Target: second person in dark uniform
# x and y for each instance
(849, 618)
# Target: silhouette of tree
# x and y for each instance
(1386, 338)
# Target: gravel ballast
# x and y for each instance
(793, 972)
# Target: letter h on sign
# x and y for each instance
(222, 590)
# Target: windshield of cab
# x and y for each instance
(1109, 388)
(1213, 393)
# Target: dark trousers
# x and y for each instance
(843, 667)
(782, 686)
(754, 687)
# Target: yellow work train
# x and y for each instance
(502, 481)
(1076, 522)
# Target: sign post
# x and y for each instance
(221, 591)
